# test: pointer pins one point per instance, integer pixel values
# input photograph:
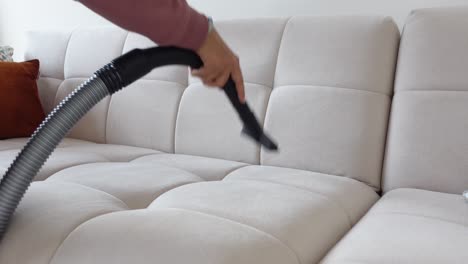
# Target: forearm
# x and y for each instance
(166, 22)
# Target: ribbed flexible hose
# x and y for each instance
(108, 80)
(20, 174)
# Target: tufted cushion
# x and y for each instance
(408, 226)
(154, 117)
(181, 238)
(207, 124)
(136, 184)
(256, 214)
(52, 224)
(426, 149)
(158, 95)
(208, 169)
(427, 144)
(70, 153)
(329, 107)
(322, 94)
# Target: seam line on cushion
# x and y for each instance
(236, 169)
(176, 121)
(66, 54)
(279, 51)
(200, 179)
(422, 216)
(94, 189)
(164, 191)
(259, 84)
(274, 80)
(179, 105)
(333, 201)
(147, 155)
(312, 86)
(75, 228)
(238, 223)
(345, 261)
(107, 119)
(267, 105)
(430, 90)
(50, 78)
(75, 145)
(203, 179)
(125, 42)
(191, 211)
(110, 99)
(77, 165)
(74, 166)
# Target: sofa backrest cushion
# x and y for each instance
(321, 86)
(428, 142)
(207, 124)
(331, 97)
(142, 115)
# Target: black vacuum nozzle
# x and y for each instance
(252, 127)
(138, 63)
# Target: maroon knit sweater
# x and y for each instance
(166, 22)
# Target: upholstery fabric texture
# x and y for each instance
(427, 146)
(408, 226)
(422, 218)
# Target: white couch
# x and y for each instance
(158, 173)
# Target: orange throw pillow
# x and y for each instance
(20, 107)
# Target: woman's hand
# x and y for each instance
(219, 63)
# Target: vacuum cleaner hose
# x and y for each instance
(111, 78)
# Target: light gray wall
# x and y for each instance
(17, 16)
(398, 9)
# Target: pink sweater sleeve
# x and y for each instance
(166, 22)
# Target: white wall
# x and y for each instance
(16, 16)
(399, 9)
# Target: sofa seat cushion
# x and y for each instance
(48, 213)
(136, 184)
(136, 212)
(353, 197)
(71, 152)
(172, 236)
(208, 169)
(408, 226)
(139, 182)
(255, 215)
